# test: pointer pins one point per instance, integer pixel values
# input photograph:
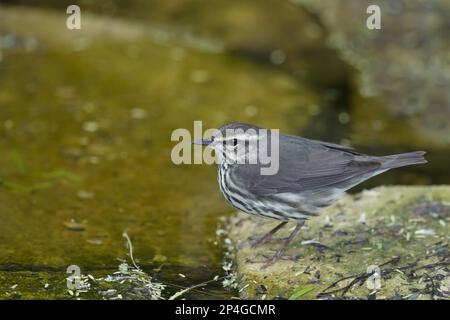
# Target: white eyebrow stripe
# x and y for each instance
(240, 137)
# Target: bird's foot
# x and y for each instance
(259, 241)
(279, 256)
(268, 237)
(280, 252)
(271, 260)
(292, 257)
(283, 249)
(279, 240)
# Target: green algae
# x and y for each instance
(66, 110)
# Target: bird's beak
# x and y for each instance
(204, 142)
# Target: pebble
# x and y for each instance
(277, 56)
(85, 194)
(90, 126)
(74, 226)
(138, 113)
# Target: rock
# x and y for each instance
(74, 225)
(403, 236)
(404, 64)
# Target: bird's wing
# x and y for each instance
(333, 146)
(306, 165)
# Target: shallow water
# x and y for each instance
(85, 125)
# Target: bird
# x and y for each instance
(311, 175)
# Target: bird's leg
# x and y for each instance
(268, 236)
(283, 248)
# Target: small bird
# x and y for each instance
(312, 174)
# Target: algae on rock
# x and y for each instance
(396, 235)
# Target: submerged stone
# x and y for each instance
(86, 119)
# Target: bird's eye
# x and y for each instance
(235, 142)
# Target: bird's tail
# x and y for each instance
(403, 159)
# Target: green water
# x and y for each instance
(85, 124)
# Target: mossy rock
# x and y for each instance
(385, 57)
(403, 231)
